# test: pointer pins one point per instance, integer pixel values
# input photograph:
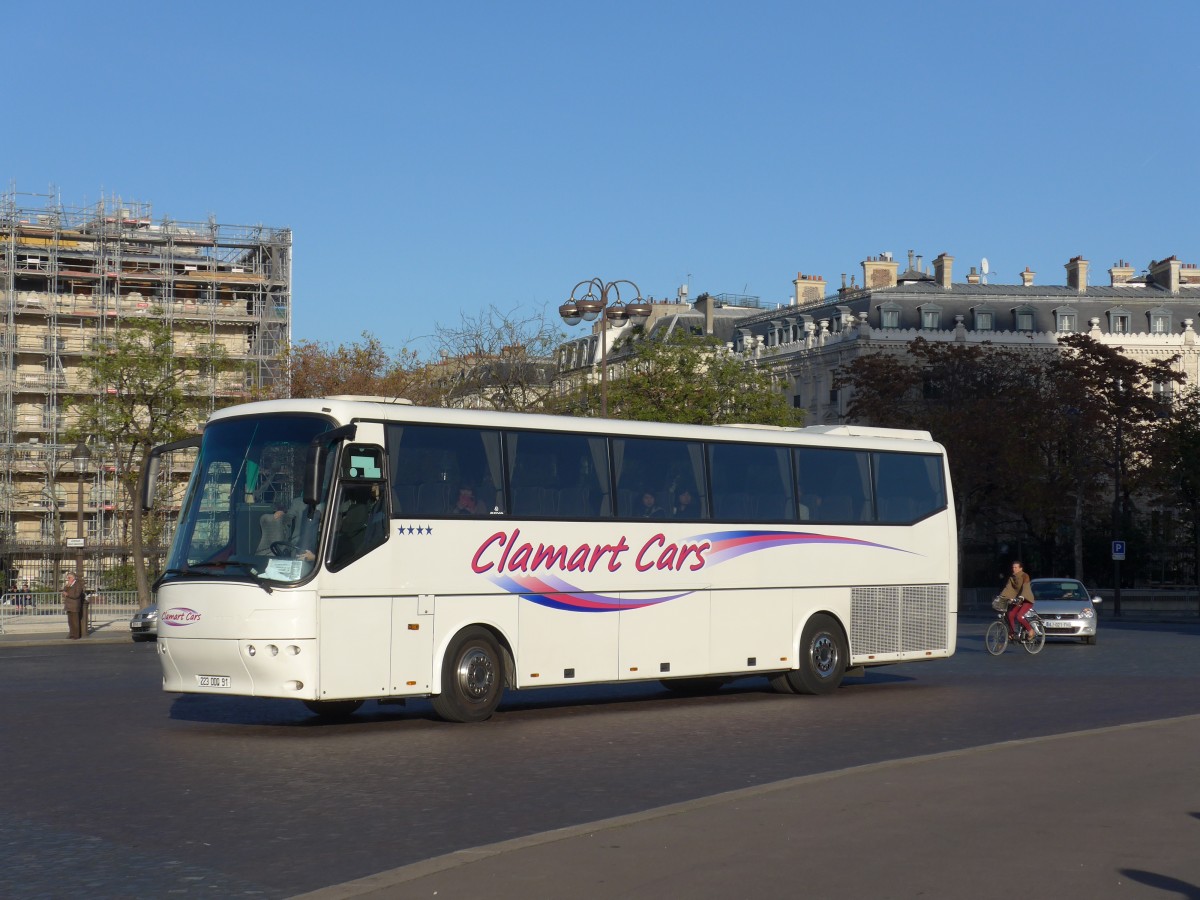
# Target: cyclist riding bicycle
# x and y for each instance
(1019, 594)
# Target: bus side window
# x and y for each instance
(663, 467)
(835, 484)
(431, 463)
(751, 482)
(908, 486)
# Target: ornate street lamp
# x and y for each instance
(595, 304)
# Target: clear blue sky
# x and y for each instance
(436, 157)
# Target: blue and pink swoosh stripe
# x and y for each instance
(551, 591)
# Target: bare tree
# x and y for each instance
(497, 360)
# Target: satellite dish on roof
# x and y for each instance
(983, 268)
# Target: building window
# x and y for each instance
(889, 316)
(984, 321)
(1066, 322)
(930, 318)
(1120, 324)
(1024, 321)
(1160, 321)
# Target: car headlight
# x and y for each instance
(1087, 612)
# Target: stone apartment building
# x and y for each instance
(70, 277)
(1150, 316)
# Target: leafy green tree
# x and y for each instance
(151, 383)
(691, 379)
(1036, 440)
(965, 396)
(1117, 401)
(1174, 466)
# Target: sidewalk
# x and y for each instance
(24, 630)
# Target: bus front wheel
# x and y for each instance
(823, 658)
(472, 678)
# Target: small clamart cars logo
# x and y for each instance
(179, 615)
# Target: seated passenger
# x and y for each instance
(467, 503)
(650, 508)
(686, 506)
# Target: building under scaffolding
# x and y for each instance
(69, 278)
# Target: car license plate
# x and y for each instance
(1060, 624)
(216, 681)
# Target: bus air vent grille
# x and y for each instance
(898, 619)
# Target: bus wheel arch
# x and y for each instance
(824, 657)
(474, 674)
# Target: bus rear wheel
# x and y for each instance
(333, 709)
(823, 658)
(472, 677)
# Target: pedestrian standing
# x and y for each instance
(72, 595)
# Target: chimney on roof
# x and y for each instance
(941, 270)
(879, 271)
(973, 276)
(1165, 273)
(1120, 273)
(809, 288)
(1077, 269)
(1027, 277)
(705, 304)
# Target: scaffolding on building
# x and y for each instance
(70, 278)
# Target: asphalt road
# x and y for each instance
(113, 789)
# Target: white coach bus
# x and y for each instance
(347, 549)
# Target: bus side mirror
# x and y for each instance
(149, 482)
(314, 461)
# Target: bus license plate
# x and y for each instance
(216, 681)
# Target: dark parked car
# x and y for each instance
(1066, 608)
(144, 624)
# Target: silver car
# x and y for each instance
(144, 624)
(1066, 608)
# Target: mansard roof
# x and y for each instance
(1137, 298)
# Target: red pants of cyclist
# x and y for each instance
(1016, 614)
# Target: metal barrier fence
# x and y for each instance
(25, 608)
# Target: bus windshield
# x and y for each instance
(244, 515)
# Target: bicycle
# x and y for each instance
(997, 637)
